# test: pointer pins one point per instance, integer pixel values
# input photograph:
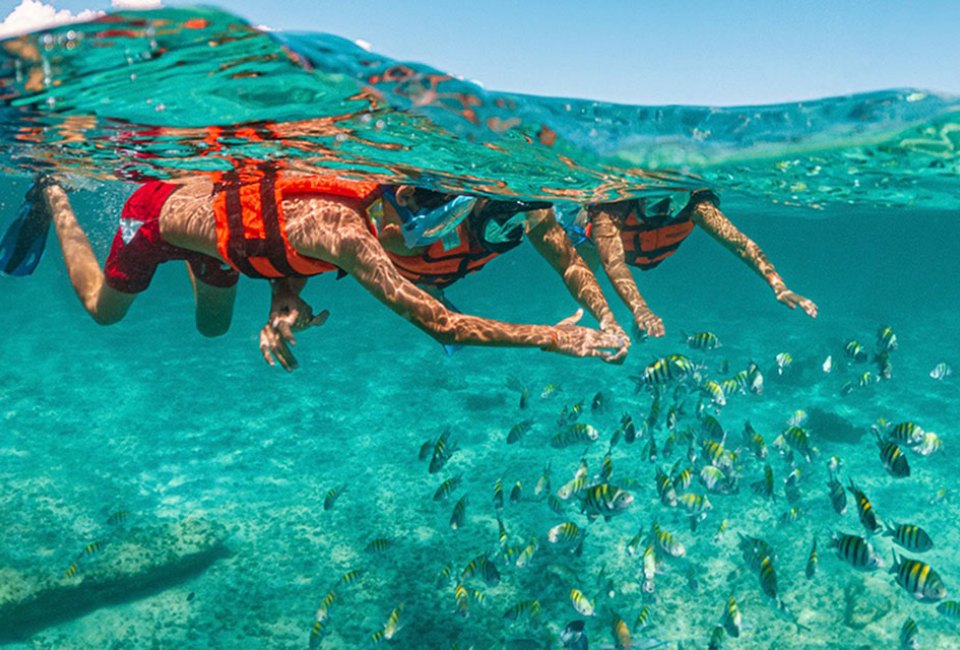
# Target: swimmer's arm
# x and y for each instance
(606, 238)
(709, 217)
(106, 305)
(551, 241)
(349, 244)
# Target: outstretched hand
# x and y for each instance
(794, 300)
(611, 344)
(649, 323)
(288, 314)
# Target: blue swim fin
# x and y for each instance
(22, 246)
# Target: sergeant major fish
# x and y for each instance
(918, 579)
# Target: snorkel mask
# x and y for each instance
(427, 225)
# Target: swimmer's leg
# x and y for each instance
(105, 305)
(214, 306)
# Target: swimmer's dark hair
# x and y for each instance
(429, 199)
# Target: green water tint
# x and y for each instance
(133, 95)
(95, 423)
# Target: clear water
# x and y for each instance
(854, 199)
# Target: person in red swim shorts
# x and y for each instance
(266, 223)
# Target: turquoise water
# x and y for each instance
(855, 204)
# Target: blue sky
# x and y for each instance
(642, 52)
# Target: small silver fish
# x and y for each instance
(941, 371)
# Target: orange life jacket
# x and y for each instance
(650, 239)
(251, 227)
(441, 268)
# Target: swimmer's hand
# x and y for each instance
(288, 314)
(648, 322)
(794, 300)
(612, 327)
(576, 341)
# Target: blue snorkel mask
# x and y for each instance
(427, 225)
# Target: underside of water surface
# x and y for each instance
(159, 489)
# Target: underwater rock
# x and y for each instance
(832, 427)
(141, 561)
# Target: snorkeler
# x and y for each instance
(264, 223)
(491, 228)
(640, 234)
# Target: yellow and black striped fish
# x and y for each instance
(606, 467)
(790, 516)
(332, 495)
(516, 492)
(731, 619)
(564, 534)
(392, 626)
(605, 501)
(599, 404)
(462, 596)
(681, 481)
(443, 450)
(712, 429)
(950, 609)
(498, 494)
(799, 440)
(443, 578)
(570, 414)
(857, 551)
(716, 638)
(838, 496)
(892, 457)
(721, 532)
(760, 557)
(884, 366)
(696, 504)
(577, 433)
(502, 533)
(447, 488)
(813, 560)
(765, 486)
(527, 554)
(581, 603)
(913, 538)
(518, 431)
(92, 548)
(906, 433)
(118, 517)
(528, 607)
(666, 542)
(487, 569)
(714, 392)
(886, 339)
(918, 579)
(854, 350)
(459, 515)
(378, 545)
(628, 429)
(703, 341)
(909, 635)
(317, 632)
(643, 618)
(350, 577)
(323, 612)
(865, 509)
